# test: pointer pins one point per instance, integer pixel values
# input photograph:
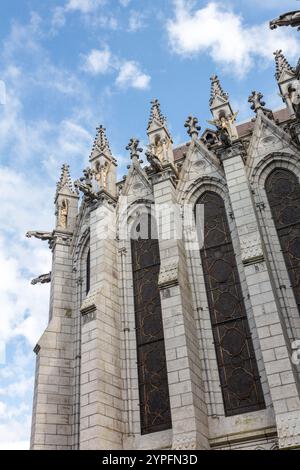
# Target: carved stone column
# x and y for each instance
(52, 413)
(101, 383)
(188, 409)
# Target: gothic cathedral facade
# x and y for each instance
(160, 338)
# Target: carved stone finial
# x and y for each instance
(85, 185)
(256, 101)
(282, 64)
(156, 114)
(101, 144)
(65, 179)
(134, 148)
(192, 127)
(258, 106)
(216, 91)
(292, 18)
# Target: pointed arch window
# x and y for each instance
(283, 192)
(238, 371)
(155, 411)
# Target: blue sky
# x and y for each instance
(70, 65)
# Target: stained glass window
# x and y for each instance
(152, 372)
(238, 371)
(283, 191)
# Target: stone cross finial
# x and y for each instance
(258, 106)
(156, 114)
(216, 90)
(282, 64)
(256, 101)
(192, 127)
(134, 148)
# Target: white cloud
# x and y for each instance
(98, 61)
(124, 3)
(58, 18)
(130, 75)
(220, 32)
(15, 445)
(19, 389)
(136, 21)
(84, 6)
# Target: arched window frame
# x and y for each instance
(189, 194)
(131, 392)
(227, 328)
(286, 300)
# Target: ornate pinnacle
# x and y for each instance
(193, 128)
(216, 90)
(101, 144)
(134, 148)
(65, 179)
(156, 114)
(282, 64)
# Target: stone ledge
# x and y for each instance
(168, 276)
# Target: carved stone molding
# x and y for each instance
(251, 249)
(235, 150)
(89, 307)
(184, 443)
(289, 430)
(168, 275)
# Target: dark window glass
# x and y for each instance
(239, 376)
(152, 372)
(283, 191)
(88, 272)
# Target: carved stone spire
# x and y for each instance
(65, 181)
(160, 139)
(66, 201)
(224, 117)
(283, 68)
(156, 116)
(288, 82)
(217, 94)
(103, 163)
(101, 144)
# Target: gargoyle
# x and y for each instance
(43, 279)
(154, 161)
(45, 236)
(291, 18)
